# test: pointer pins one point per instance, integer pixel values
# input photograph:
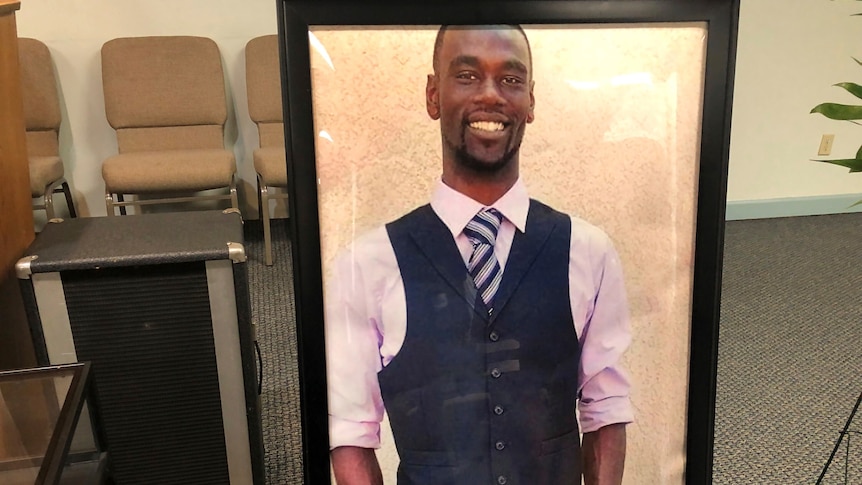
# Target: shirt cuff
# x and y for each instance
(598, 414)
(352, 433)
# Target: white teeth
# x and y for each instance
(487, 125)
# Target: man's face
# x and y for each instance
(482, 93)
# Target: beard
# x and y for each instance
(467, 160)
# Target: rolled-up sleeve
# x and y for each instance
(353, 339)
(601, 313)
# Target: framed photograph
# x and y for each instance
(615, 115)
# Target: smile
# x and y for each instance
(489, 126)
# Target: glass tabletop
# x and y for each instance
(38, 412)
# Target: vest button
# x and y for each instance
(499, 445)
(502, 480)
(495, 373)
(498, 410)
(494, 336)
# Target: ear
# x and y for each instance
(432, 98)
(531, 116)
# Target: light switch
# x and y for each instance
(826, 145)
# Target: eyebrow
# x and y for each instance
(473, 61)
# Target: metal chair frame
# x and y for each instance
(263, 198)
(121, 203)
(58, 186)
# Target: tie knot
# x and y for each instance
(482, 228)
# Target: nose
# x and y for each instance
(489, 93)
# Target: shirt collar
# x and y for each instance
(456, 209)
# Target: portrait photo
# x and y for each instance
(614, 145)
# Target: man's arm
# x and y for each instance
(353, 311)
(604, 453)
(355, 466)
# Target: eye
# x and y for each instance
(466, 76)
(512, 81)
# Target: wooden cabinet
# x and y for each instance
(16, 213)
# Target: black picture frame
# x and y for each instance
(295, 17)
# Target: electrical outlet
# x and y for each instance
(826, 145)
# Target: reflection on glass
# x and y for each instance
(616, 141)
(29, 413)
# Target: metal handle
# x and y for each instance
(260, 368)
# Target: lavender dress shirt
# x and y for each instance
(366, 317)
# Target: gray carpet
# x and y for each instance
(790, 358)
(790, 350)
(274, 312)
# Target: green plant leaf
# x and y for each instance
(857, 61)
(852, 88)
(859, 202)
(854, 164)
(836, 111)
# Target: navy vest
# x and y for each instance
(478, 398)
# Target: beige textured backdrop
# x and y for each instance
(615, 141)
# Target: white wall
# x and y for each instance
(789, 55)
(75, 30)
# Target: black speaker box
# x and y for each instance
(159, 304)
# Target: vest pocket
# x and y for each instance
(440, 467)
(559, 443)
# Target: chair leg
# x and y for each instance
(49, 204)
(69, 202)
(109, 204)
(234, 202)
(263, 195)
(122, 207)
(259, 198)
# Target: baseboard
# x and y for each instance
(792, 206)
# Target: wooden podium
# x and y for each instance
(16, 213)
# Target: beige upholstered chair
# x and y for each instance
(165, 97)
(263, 84)
(42, 120)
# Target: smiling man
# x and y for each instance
(481, 321)
(482, 114)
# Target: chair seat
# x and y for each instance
(169, 170)
(271, 164)
(44, 171)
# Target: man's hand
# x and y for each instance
(355, 466)
(604, 452)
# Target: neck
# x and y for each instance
(483, 187)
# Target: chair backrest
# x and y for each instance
(263, 86)
(41, 101)
(164, 93)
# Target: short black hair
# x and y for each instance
(438, 43)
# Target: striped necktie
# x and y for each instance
(483, 265)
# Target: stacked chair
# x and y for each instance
(165, 97)
(42, 119)
(263, 84)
